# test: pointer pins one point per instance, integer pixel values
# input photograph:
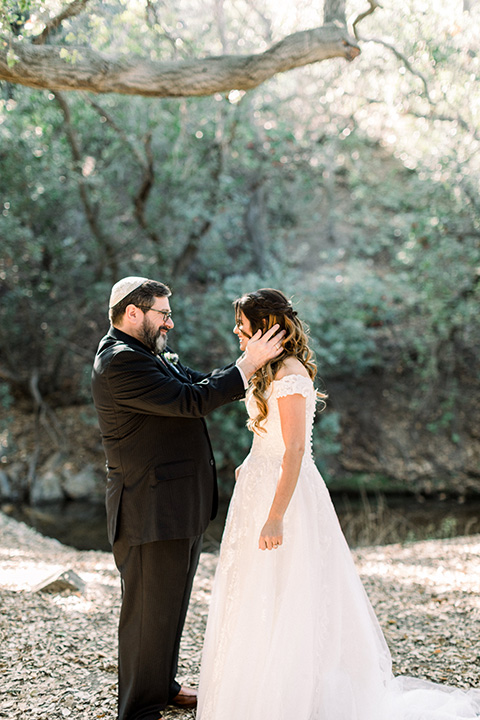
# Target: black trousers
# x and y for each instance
(157, 581)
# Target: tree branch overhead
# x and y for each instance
(66, 68)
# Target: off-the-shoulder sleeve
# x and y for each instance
(293, 385)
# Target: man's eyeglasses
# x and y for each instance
(166, 313)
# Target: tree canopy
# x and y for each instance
(352, 187)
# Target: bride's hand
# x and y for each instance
(271, 536)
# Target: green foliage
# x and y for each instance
(44, 271)
(344, 313)
(6, 400)
(13, 16)
(326, 443)
(344, 186)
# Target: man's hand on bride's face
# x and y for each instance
(262, 348)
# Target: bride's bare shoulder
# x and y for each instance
(291, 366)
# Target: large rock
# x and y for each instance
(83, 485)
(61, 581)
(47, 485)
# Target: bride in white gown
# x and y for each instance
(291, 634)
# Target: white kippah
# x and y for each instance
(124, 287)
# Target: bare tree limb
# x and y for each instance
(189, 252)
(46, 413)
(203, 225)
(145, 163)
(89, 207)
(405, 61)
(141, 198)
(455, 118)
(46, 416)
(68, 68)
(151, 13)
(111, 122)
(74, 8)
(153, 19)
(373, 6)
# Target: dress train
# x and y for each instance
(291, 634)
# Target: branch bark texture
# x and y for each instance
(49, 67)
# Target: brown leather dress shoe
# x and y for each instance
(186, 698)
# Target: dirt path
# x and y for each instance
(58, 651)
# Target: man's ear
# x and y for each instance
(133, 314)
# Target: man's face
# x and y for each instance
(156, 324)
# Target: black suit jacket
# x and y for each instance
(161, 478)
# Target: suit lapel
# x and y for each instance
(177, 370)
(174, 370)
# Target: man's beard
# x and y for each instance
(152, 338)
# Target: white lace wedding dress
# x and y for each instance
(291, 634)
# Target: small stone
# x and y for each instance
(63, 580)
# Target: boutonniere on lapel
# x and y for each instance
(171, 357)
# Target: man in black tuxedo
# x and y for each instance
(161, 482)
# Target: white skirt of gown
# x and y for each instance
(291, 634)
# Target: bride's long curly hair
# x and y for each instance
(265, 308)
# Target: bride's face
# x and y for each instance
(243, 330)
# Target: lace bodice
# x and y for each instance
(271, 442)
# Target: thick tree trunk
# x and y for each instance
(42, 66)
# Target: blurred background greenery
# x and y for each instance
(353, 187)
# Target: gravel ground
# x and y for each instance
(58, 650)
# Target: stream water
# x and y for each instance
(365, 520)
